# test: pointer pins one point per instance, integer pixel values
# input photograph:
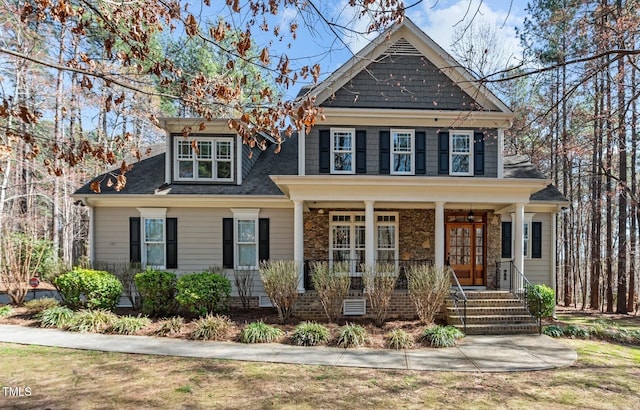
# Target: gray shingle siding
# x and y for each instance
(373, 146)
(400, 81)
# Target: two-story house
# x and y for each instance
(408, 167)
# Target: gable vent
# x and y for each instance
(402, 48)
(354, 307)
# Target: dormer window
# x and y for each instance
(204, 159)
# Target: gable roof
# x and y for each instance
(407, 39)
(147, 176)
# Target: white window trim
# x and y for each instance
(392, 152)
(451, 153)
(352, 223)
(387, 223)
(352, 131)
(232, 159)
(245, 215)
(528, 221)
(153, 213)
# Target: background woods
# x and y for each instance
(82, 82)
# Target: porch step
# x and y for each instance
(492, 312)
(493, 319)
(501, 329)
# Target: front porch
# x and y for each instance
(467, 240)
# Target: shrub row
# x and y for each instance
(198, 294)
(598, 331)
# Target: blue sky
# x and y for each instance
(437, 18)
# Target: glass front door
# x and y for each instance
(466, 251)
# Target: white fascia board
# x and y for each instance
(185, 201)
(387, 117)
(408, 189)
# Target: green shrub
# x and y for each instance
(89, 288)
(212, 327)
(259, 332)
(428, 287)
(352, 335)
(95, 321)
(5, 310)
(332, 285)
(57, 316)
(280, 279)
(38, 305)
(576, 331)
(203, 293)
(128, 325)
(553, 331)
(157, 290)
(170, 326)
(310, 334)
(126, 273)
(541, 300)
(398, 339)
(441, 336)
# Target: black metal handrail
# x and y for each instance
(520, 286)
(401, 267)
(457, 295)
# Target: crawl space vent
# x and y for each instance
(264, 301)
(354, 307)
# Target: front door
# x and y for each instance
(466, 251)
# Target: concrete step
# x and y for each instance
(488, 310)
(489, 294)
(500, 329)
(487, 302)
(492, 319)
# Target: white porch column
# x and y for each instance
(369, 240)
(298, 241)
(518, 249)
(439, 235)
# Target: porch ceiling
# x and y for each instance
(398, 189)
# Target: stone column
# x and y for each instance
(369, 240)
(298, 241)
(439, 235)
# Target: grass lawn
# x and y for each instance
(605, 377)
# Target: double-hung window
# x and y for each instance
(387, 239)
(402, 152)
(246, 238)
(204, 159)
(153, 237)
(461, 152)
(343, 150)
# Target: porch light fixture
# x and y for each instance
(470, 215)
(320, 211)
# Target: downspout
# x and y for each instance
(553, 259)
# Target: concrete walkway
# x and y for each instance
(474, 353)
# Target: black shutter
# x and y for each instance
(325, 151)
(536, 240)
(172, 243)
(263, 238)
(478, 153)
(134, 240)
(443, 153)
(421, 153)
(506, 240)
(361, 152)
(227, 243)
(385, 152)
